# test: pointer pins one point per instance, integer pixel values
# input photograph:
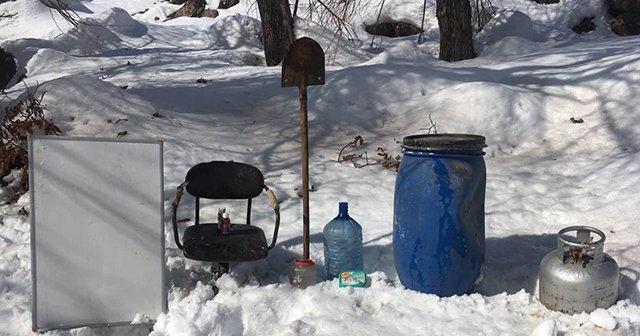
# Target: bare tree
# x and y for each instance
(277, 29)
(456, 30)
(62, 7)
(481, 13)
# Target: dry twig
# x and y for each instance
(385, 159)
(481, 12)
(7, 15)
(357, 142)
(64, 10)
(18, 122)
(432, 128)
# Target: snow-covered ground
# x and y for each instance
(543, 172)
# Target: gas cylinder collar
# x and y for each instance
(585, 246)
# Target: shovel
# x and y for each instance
(303, 65)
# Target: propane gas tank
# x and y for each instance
(578, 276)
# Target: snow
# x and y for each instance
(546, 328)
(544, 172)
(603, 319)
(507, 23)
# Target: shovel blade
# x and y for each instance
(303, 65)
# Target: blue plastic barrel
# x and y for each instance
(438, 220)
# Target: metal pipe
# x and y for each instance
(304, 140)
(197, 221)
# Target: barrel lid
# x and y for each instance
(444, 142)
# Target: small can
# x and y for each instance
(304, 273)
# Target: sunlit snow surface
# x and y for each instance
(543, 172)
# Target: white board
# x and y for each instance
(97, 231)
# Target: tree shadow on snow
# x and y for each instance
(629, 285)
(375, 257)
(129, 330)
(512, 263)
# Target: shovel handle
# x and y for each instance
(304, 140)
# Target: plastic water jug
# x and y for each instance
(342, 243)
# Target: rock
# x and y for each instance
(194, 8)
(393, 29)
(211, 13)
(226, 4)
(9, 68)
(625, 16)
(585, 25)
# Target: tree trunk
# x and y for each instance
(8, 66)
(454, 19)
(277, 29)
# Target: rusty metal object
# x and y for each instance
(303, 66)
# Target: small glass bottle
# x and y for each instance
(221, 211)
(303, 274)
(226, 224)
(342, 243)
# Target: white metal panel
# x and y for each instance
(97, 231)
